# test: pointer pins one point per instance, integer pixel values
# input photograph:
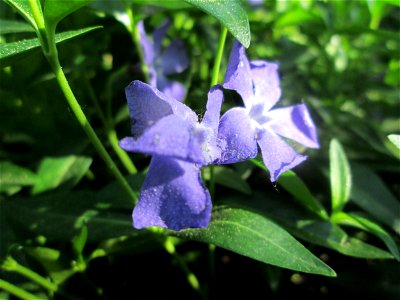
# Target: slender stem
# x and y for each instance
(218, 57)
(110, 131)
(11, 264)
(83, 121)
(18, 292)
(133, 29)
(122, 155)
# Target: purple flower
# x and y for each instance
(164, 62)
(173, 195)
(242, 128)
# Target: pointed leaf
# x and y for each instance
(228, 178)
(251, 234)
(11, 174)
(11, 26)
(230, 13)
(355, 220)
(297, 188)
(56, 10)
(65, 170)
(370, 193)
(12, 52)
(340, 176)
(24, 9)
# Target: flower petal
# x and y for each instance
(174, 59)
(278, 156)
(211, 121)
(172, 196)
(236, 137)
(266, 82)
(159, 34)
(172, 89)
(147, 105)
(147, 46)
(294, 122)
(169, 136)
(238, 74)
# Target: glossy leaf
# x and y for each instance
(340, 176)
(65, 170)
(395, 139)
(24, 9)
(312, 229)
(56, 10)
(355, 220)
(11, 26)
(230, 13)
(12, 52)
(297, 188)
(251, 234)
(371, 194)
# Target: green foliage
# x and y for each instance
(253, 235)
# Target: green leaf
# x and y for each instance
(355, 220)
(371, 194)
(13, 178)
(310, 228)
(395, 139)
(56, 10)
(65, 170)
(229, 178)
(251, 234)
(297, 188)
(12, 52)
(79, 241)
(230, 13)
(24, 9)
(11, 26)
(340, 176)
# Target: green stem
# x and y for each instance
(11, 264)
(122, 155)
(133, 29)
(18, 292)
(218, 57)
(83, 121)
(110, 131)
(214, 81)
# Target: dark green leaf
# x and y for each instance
(56, 10)
(11, 174)
(229, 178)
(371, 194)
(340, 176)
(312, 229)
(253, 235)
(230, 13)
(66, 171)
(11, 52)
(296, 187)
(355, 220)
(11, 26)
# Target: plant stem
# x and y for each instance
(133, 29)
(83, 121)
(218, 57)
(11, 264)
(214, 81)
(18, 292)
(110, 132)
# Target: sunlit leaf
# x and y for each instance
(56, 10)
(251, 234)
(24, 9)
(230, 13)
(12, 52)
(340, 176)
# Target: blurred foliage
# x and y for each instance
(63, 216)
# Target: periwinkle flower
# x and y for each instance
(162, 62)
(242, 128)
(173, 195)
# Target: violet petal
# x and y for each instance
(147, 46)
(172, 196)
(174, 59)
